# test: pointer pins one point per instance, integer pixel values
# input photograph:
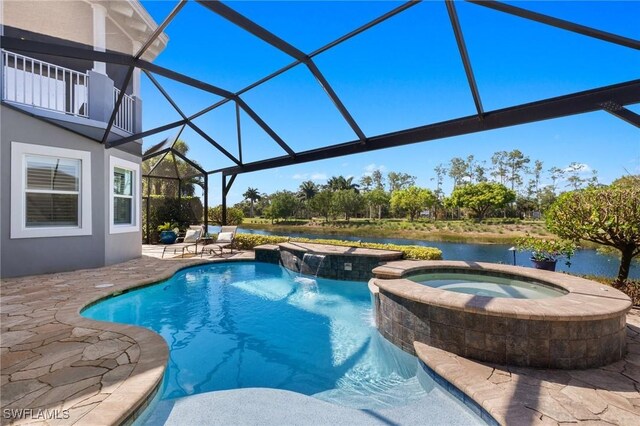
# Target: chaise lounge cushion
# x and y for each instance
(225, 237)
(192, 236)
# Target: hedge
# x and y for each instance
(249, 241)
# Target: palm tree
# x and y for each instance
(167, 168)
(307, 190)
(252, 195)
(337, 183)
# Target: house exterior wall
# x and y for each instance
(128, 25)
(46, 17)
(119, 26)
(124, 246)
(118, 40)
(30, 256)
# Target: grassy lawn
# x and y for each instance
(453, 231)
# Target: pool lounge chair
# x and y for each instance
(225, 239)
(192, 237)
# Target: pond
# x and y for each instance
(586, 261)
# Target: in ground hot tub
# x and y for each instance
(500, 313)
(487, 285)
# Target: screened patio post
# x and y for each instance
(147, 209)
(206, 203)
(224, 199)
(180, 196)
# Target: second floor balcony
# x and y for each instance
(85, 98)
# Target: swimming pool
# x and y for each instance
(257, 325)
(486, 285)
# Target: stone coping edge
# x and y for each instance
(455, 391)
(442, 377)
(150, 282)
(143, 383)
(585, 300)
(341, 250)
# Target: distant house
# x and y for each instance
(67, 201)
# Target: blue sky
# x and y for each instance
(403, 73)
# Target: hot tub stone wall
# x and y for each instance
(502, 340)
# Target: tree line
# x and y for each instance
(510, 184)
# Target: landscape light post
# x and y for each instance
(513, 249)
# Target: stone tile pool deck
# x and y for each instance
(53, 359)
(519, 396)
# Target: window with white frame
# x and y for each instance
(50, 191)
(125, 191)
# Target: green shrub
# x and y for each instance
(234, 215)
(180, 213)
(501, 221)
(249, 241)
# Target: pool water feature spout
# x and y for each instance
(311, 263)
(289, 261)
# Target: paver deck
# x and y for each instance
(527, 396)
(58, 364)
(53, 359)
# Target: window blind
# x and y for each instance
(52, 191)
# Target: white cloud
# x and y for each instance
(369, 169)
(318, 176)
(307, 176)
(581, 167)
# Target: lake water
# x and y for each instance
(583, 262)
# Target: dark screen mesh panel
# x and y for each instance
(172, 191)
(161, 167)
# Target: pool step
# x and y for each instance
(377, 395)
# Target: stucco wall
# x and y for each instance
(126, 246)
(68, 20)
(72, 20)
(29, 256)
(48, 18)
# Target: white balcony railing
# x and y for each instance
(43, 85)
(124, 117)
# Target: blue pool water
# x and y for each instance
(251, 324)
(484, 285)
